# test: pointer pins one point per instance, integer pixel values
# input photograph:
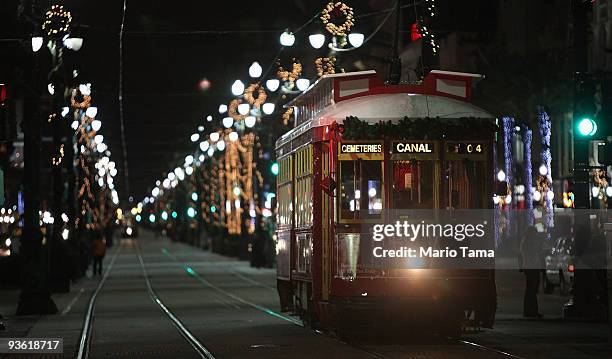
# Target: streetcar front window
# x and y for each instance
(413, 184)
(464, 186)
(360, 189)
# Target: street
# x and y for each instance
(232, 310)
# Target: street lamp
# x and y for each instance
(355, 39)
(228, 122)
(255, 70)
(244, 108)
(268, 108)
(37, 42)
(249, 121)
(237, 88)
(95, 125)
(91, 112)
(302, 84)
(287, 39)
(73, 43)
(272, 84)
(316, 40)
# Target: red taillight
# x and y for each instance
(570, 268)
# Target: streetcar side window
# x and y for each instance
(360, 189)
(285, 192)
(413, 184)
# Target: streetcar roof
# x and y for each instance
(441, 94)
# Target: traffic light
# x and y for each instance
(274, 168)
(587, 106)
(587, 127)
(194, 196)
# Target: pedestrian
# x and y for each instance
(98, 251)
(530, 249)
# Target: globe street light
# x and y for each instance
(96, 125)
(272, 84)
(316, 40)
(237, 88)
(268, 108)
(255, 70)
(287, 39)
(355, 39)
(37, 42)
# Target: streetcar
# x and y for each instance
(360, 153)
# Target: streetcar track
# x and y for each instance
(489, 349)
(204, 281)
(186, 333)
(375, 354)
(85, 337)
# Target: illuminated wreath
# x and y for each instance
(338, 8)
(57, 21)
(232, 110)
(325, 65)
(287, 115)
(289, 76)
(82, 104)
(261, 95)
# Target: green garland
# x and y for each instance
(465, 128)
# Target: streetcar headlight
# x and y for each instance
(128, 231)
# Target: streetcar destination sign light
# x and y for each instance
(412, 147)
(361, 148)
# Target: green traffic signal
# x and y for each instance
(191, 212)
(274, 168)
(587, 127)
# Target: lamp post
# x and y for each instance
(57, 26)
(35, 296)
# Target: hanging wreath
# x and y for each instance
(325, 65)
(334, 11)
(76, 102)
(289, 76)
(57, 21)
(287, 115)
(232, 110)
(261, 95)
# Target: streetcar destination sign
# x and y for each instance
(465, 148)
(361, 148)
(413, 147)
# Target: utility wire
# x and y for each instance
(121, 120)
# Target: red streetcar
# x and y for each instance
(338, 176)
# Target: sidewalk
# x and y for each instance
(65, 324)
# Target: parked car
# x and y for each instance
(560, 266)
